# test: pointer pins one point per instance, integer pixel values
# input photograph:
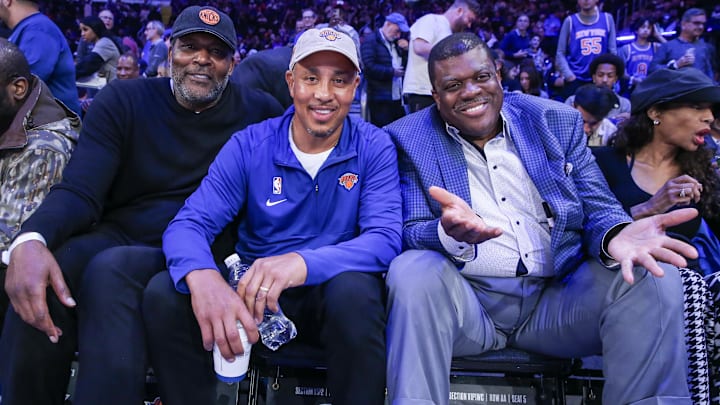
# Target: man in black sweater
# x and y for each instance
(144, 148)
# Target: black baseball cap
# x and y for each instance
(684, 85)
(205, 19)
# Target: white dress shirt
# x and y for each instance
(504, 196)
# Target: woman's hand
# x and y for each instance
(680, 191)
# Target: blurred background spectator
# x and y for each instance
(276, 23)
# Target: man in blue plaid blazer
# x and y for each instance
(514, 240)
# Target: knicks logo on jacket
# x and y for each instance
(348, 180)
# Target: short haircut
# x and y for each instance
(472, 5)
(608, 59)
(455, 45)
(157, 26)
(692, 12)
(13, 63)
(596, 100)
(132, 56)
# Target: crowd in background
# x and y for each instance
(269, 24)
(134, 41)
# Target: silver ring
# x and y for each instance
(266, 289)
(682, 193)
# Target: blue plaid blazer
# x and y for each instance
(551, 144)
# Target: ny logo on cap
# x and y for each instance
(209, 17)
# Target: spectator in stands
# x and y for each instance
(516, 42)
(552, 24)
(157, 52)
(530, 80)
(659, 161)
(103, 58)
(606, 69)
(37, 136)
(127, 68)
(127, 43)
(320, 251)
(261, 70)
(45, 48)
(533, 263)
(555, 82)
(638, 54)
(384, 63)
(688, 49)
(336, 20)
(583, 36)
(107, 18)
(426, 32)
(485, 32)
(594, 103)
(144, 147)
(538, 56)
(309, 18)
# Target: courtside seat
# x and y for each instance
(296, 361)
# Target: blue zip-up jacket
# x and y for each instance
(348, 218)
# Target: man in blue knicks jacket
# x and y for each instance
(317, 197)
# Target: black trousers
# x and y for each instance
(32, 369)
(113, 358)
(345, 315)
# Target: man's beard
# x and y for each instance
(193, 98)
(321, 134)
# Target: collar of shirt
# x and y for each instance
(504, 134)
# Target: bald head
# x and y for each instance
(12, 63)
(14, 82)
(17, 10)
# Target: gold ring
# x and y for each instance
(264, 289)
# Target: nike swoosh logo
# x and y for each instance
(269, 203)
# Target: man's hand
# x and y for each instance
(644, 241)
(459, 220)
(267, 278)
(32, 268)
(217, 308)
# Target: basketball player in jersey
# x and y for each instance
(583, 36)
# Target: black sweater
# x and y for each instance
(140, 155)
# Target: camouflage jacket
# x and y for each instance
(33, 153)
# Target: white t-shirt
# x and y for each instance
(311, 162)
(432, 28)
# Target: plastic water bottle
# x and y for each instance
(276, 329)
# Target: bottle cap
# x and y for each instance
(232, 259)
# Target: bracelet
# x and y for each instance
(22, 238)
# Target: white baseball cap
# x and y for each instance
(324, 39)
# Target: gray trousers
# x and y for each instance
(434, 313)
